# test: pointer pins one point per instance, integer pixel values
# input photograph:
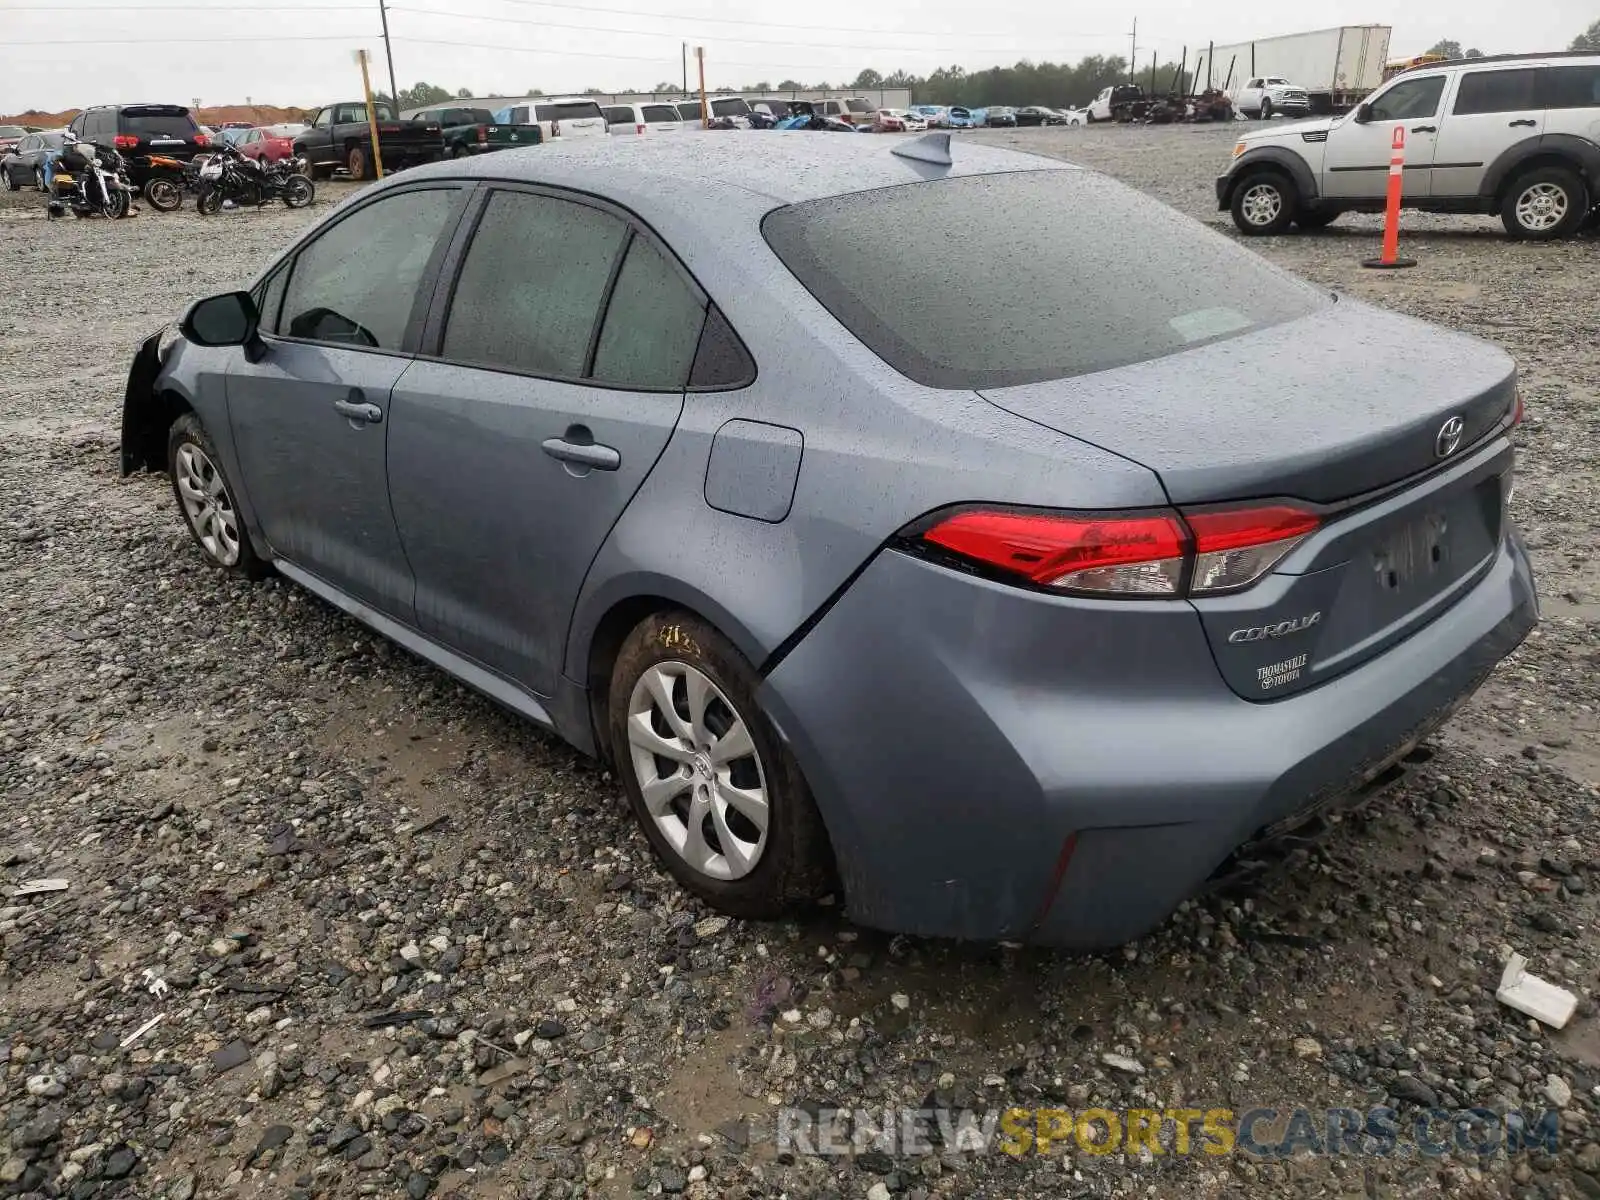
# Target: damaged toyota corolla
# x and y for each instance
(880, 568)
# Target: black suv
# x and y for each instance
(138, 130)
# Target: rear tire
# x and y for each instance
(298, 191)
(1311, 219)
(205, 499)
(729, 812)
(458, 151)
(356, 163)
(1266, 109)
(38, 179)
(209, 202)
(11, 182)
(1545, 204)
(1264, 204)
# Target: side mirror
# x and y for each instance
(1363, 114)
(226, 320)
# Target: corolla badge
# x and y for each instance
(1448, 440)
(1262, 633)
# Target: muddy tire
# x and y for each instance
(718, 795)
(206, 502)
(358, 163)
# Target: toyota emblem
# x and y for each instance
(1449, 439)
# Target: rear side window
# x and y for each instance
(729, 108)
(689, 112)
(356, 284)
(1571, 87)
(661, 114)
(1495, 92)
(530, 288)
(859, 106)
(618, 115)
(1027, 292)
(652, 324)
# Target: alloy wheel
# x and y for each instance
(206, 504)
(699, 773)
(1542, 207)
(1262, 204)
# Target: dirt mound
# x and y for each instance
(256, 114)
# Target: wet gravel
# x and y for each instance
(333, 926)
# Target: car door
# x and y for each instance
(309, 416)
(319, 138)
(560, 352)
(1356, 164)
(1490, 110)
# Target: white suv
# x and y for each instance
(1266, 95)
(1517, 135)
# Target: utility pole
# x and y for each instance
(1133, 50)
(705, 105)
(388, 53)
(685, 68)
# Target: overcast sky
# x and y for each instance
(75, 52)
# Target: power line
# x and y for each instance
(320, 37)
(743, 41)
(160, 8)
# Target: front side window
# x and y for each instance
(1495, 92)
(1570, 87)
(1409, 101)
(356, 284)
(324, 119)
(1004, 303)
(652, 324)
(530, 288)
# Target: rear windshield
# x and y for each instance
(657, 114)
(1032, 289)
(570, 112)
(156, 122)
(10, 131)
(730, 108)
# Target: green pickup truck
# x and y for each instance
(474, 130)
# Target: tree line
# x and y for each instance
(1053, 84)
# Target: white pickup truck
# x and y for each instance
(1267, 95)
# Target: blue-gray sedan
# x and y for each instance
(1005, 583)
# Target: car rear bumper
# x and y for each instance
(994, 763)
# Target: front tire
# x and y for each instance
(163, 194)
(1545, 204)
(209, 202)
(1264, 204)
(11, 182)
(719, 797)
(298, 191)
(1266, 109)
(205, 498)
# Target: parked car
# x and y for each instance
(961, 118)
(137, 131)
(1513, 135)
(887, 120)
(557, 116)
(10, 136)
(1268, 95)
(1037, 114)
(232, 135)
(936, 115)
(730, 111)
(270, 144)
(1027, 640)
(1002, 115)
(642, 118)
(852, 110)
(25, 164)
(469, 131)
(766, 113)
(340, 135)
(1114, 103)
(1075, 116)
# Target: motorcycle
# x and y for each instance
(248, 183)
(89, 181)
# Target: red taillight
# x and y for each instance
(1235, 547)
(639, 128)
(1139, 554)
(124, 141)
(1517, 410)
(201, 139)
(1144, 554)
(483, 135)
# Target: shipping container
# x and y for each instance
(1337, 67)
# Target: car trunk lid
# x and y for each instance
(1385, 427)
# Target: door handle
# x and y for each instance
(357, 408)
(1528, 121)
(582, 453)
(1424, 129)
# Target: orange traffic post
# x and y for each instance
(1391, 260)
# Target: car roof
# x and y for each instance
(787, 168)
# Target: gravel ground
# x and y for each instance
(274, 826)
